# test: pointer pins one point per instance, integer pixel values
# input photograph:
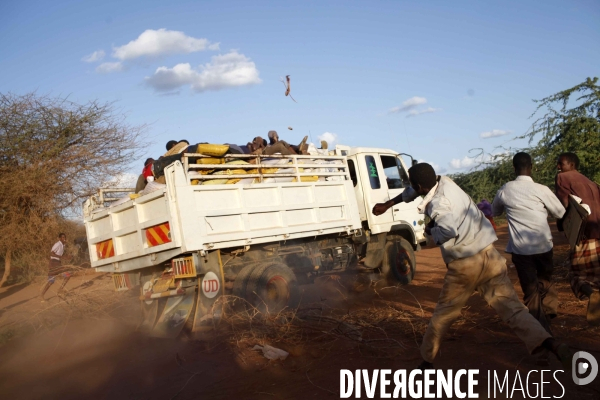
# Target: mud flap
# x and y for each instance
(173, 318)
(149, 314)
(375, 250)
(210, 290)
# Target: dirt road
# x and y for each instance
(87, 346)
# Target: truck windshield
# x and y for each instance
(394, 173)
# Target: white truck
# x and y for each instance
(277, 222)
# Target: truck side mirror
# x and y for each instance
(414, 162)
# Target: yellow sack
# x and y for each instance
(307, 179)
(231, 172)
(214, 150)
(232, 181)
(268, 170)
(210, 160)
(215, 182)
(238, 162)
(195, 182)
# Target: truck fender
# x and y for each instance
(406, 231)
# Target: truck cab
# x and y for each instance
(379, 175)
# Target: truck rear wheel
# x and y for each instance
(399, 261)
(241, 280)
(271, 287)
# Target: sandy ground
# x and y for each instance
(86, 346)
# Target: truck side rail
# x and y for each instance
(105, 198)
(319, 166)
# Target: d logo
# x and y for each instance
(590, 364)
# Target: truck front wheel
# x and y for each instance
(398, 261)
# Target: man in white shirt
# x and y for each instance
(55, 267)
(527, 205)
(466, 240)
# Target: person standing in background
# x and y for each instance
(55, 266)
(585, 258)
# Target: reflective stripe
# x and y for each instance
(158, 234)
(105, 249)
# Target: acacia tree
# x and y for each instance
(575, 129)
(570, 122)
(53, 154)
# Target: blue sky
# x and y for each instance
(209, 71)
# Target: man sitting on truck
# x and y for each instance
(260, 146)
(176, 147)
(466, 239)
(146, 175)
(275, 142)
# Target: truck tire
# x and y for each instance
(398, 261)
(241, 280)
(272, 287)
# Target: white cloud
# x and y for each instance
(108, 67)
(214, 46)
(98, 55)
(438, 169)
(414, 113)
(330, 138)
(493, 133)
(479, 161)
(466, 162)
(408, 105)
(227, 70)
(123, 180)
(162, 42)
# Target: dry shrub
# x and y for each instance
(377, 331)
(53, 154)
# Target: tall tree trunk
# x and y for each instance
(7, 260)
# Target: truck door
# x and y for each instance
(375, 190)
(393, 174)
(397, 181)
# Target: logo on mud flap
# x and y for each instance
(210, 285)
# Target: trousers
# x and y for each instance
(486, 273)
(535, 277)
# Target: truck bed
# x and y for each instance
(182, 217)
